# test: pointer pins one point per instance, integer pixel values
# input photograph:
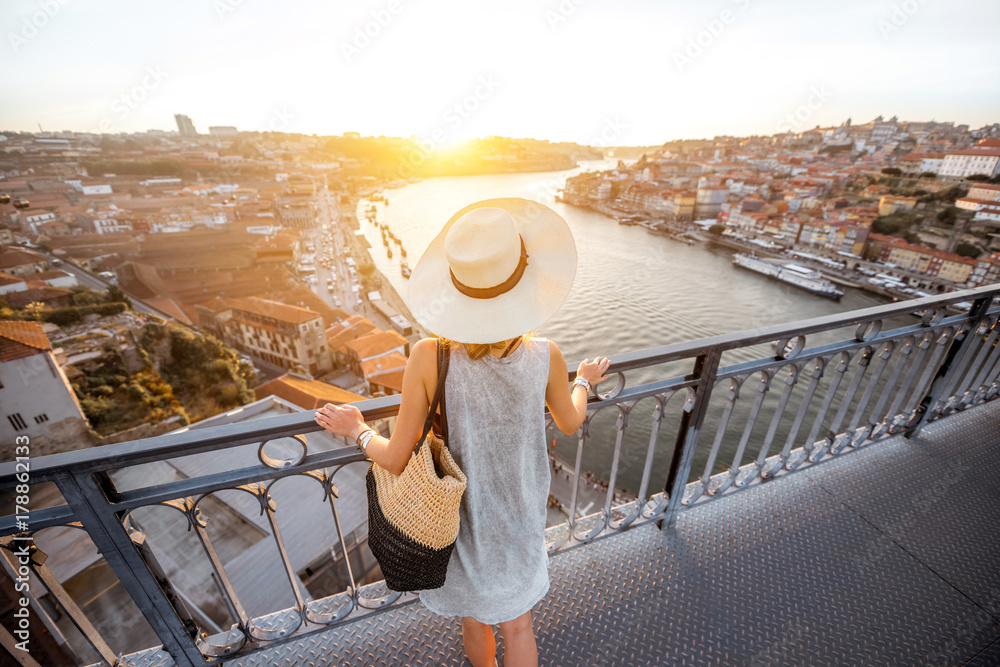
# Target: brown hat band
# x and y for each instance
(496, 290)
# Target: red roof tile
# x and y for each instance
(305, 393)
(275, 310)
(21, 339)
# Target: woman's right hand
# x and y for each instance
(593, 371)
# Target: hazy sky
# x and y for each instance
(622, 72)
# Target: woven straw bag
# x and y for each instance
(413, 516)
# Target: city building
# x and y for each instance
(920, 259)
(915, 163)
(35, 395)
(372, 346)
(283, 335)
(185, 126)
(305, 392)
(889, 204)
(986, 271)
(981, 158)
(223, 131)
(21, 262)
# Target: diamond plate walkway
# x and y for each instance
(885, 556)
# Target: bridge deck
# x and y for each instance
(888, 555)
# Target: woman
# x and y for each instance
(495, 273)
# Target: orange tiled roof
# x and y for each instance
(170, 307)
(305, 393)
(353, 327)
(393, 380)
(10, 257)
(21, 339)
(8, 279)
(274, 309)
(384, 364)
(376, 344)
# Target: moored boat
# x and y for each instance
(791, 274)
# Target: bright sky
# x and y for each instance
(615, 72)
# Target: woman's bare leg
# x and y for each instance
(519, 648)
(480, 644)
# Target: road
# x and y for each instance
(329, 237)
(88, 279)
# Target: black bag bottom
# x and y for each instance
(406, 564)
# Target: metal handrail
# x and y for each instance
(192, 441)
(854, 392)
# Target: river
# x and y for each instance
(634, 289)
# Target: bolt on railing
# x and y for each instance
(921, 370)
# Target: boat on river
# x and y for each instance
(792, 274)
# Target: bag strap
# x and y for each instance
(443, 358)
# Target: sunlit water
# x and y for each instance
(634, 290)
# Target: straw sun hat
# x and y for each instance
(498, 269)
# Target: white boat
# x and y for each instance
(792, 274)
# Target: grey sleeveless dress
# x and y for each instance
(496, 433)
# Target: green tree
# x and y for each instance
(83, 296)
(716, 229)
(892, 171)
(366, 269)
(114, 294)
(968, 250)
(948, 216)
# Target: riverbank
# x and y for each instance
(361, 249)
(733, 244)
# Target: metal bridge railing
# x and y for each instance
(774, 410)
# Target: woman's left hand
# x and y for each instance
(345, 420)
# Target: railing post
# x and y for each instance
(84, 494)
(705, 368)
(952, 359)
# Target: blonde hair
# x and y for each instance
(480, 350)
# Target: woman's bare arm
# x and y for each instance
(568, 407)
(419, 382)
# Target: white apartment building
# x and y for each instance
(37, 405)
(983, 158)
